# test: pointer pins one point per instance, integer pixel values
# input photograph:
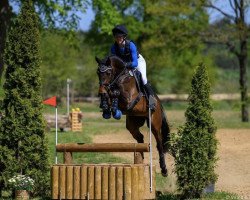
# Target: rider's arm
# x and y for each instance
(134, 62)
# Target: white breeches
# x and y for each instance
(142, 68)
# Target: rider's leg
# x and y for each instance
(143, 69)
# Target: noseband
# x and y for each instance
(104, 68)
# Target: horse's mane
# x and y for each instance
(115, 61)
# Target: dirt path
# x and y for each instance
(233, 165)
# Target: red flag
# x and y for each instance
(51, 101)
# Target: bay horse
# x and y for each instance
(118, 91)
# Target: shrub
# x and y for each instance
(195, 148)
(22, 135)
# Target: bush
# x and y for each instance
(195, 148)
(22, 135)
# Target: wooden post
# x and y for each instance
(112, 186)
(141, 182)
(54, 181)
(127, 183)
(138, 159)
(98, 183)
(105, 182)
(84, 179)
(62, 182)
(91, 182)
(119, 183)
(76, 182)
(134, 182)
(69, 182)
(67, 158)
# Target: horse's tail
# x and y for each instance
(165, 131)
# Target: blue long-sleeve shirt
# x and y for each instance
(133, 52)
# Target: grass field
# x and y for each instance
(226, 115)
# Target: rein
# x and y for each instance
(117, 77)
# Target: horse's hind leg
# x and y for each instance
(156, 129)
(133, 124)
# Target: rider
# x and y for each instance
(127, 51)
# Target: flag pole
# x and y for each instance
(52, 102)
(56, 137)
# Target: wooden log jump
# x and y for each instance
(102, 181)
(103, 147)
(88, 181)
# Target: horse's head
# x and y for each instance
(105, 71)
(109, 70)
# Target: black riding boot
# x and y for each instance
(151, 98)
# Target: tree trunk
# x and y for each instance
(5, 15)
(243, 81)
(242, 57)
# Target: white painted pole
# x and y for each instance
(56, 136)
(150, 148)
(68, 82)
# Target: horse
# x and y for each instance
(118, 91)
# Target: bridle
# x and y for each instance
(104, 68)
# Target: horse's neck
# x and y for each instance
(117, 65)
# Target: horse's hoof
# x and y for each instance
(117, 115)
(164, 173)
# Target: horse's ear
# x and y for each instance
(98, 60)
(108, 62)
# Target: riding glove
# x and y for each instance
(128, 64)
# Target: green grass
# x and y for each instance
(211, 196)
(226, 115)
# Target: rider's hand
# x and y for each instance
(128, 64)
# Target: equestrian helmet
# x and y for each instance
(120, 30)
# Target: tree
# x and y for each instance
(62, 12)
(195, 154)
(22, 135)
(236, 42)
(59, 63)
(163, 31)
(170, 38)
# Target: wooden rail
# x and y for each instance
(103, 147)
(69, 148)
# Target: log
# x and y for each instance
(62, 182)
(84, 180)
(119, 183)
(105, 181)
(91, 182)
(54, 179)
(76, 182)
(98, 182)
(127, 183)
(112, 185)
(69, 182)
(103, 147)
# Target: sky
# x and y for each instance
(89, 16)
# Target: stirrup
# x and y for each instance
(152, 102)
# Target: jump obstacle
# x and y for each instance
(102, 181)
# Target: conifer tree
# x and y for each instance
(22, 135)
(197, 145)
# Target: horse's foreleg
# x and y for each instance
(114, 107)
(133, 124)
(104, 105)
